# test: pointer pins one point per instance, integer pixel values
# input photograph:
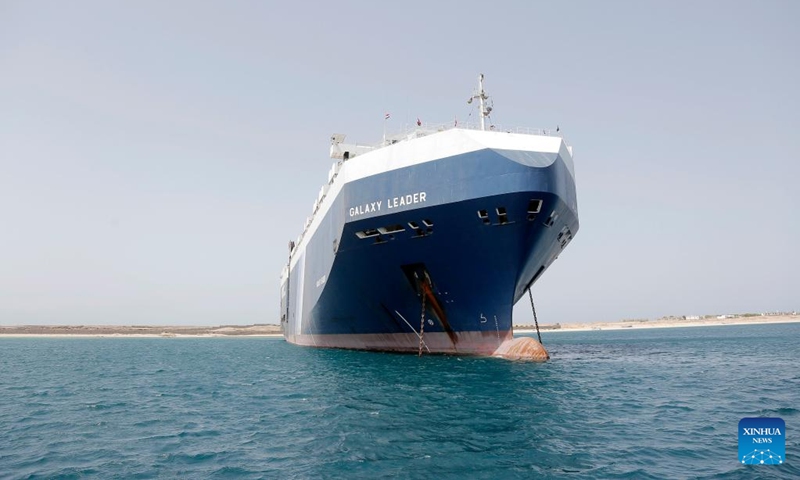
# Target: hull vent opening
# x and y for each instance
(564, 236)
(483, 215)
(368, 233)
(502, 216)
(391, 229)
(420, 230)
(381, 234)
(423, 230)
(534, 207)
(551, 219)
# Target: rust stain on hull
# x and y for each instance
(523, 348)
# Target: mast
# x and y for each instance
(482, 97)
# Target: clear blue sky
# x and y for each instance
(156, 157)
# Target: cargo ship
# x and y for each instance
(424, 242)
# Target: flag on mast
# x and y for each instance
(387, 116)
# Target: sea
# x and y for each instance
(634, 403)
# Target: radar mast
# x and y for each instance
(482, 97)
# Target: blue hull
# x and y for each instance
(478, 228)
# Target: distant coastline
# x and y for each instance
(139, 331)
(268, 330)
(669, 322)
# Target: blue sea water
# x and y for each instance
(610, 404)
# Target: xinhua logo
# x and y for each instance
(762, 441)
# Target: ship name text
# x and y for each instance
(395, 202)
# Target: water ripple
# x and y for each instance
(646, 404)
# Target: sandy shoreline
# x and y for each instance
(273, 331)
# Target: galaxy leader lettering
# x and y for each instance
(395, 202)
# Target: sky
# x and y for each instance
(157, 157)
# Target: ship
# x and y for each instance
(424, 242)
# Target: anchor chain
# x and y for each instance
(422, 326)
(535, 320)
